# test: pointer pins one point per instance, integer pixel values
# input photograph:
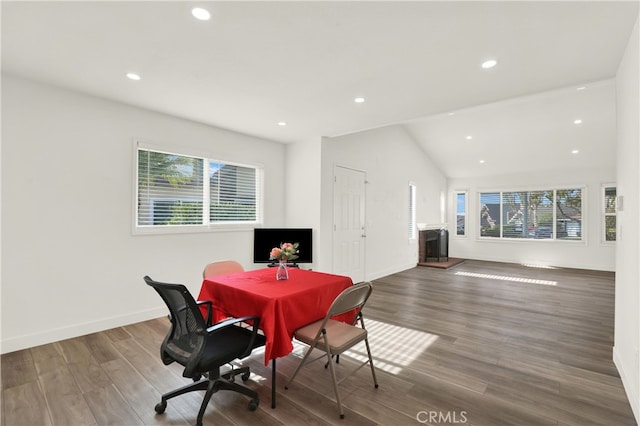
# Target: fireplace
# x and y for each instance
(433, 245)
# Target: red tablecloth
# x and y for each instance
(283, 306)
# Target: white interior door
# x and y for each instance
(349, 231)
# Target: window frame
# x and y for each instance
(604, 214)
(412, 233)
(206, 226)
(501, 195)
(465, 193)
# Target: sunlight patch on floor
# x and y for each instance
(507, 278)
(392, 347)
(538, 266)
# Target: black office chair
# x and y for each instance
(202, 350)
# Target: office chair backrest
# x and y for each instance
(221, 267)
(353, 298)
(186, 339)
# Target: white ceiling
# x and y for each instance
(257, 63)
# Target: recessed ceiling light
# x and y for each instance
(489, 64)
(578, 121)
(133, 76)
(358, 100)
(481, 161)
(469, 137)
(200, 13)
(452, 113)
(282, 123)
(581, 88)
(575, 151)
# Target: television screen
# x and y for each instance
(264, 239)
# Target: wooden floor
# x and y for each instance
(480, 344)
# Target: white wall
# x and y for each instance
(391, 159)
(70, 262)
(590, 254)
(627, 319)
(302, 191)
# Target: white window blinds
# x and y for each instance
(180, 190)
(411, 222)
(232, 193)
(170, 190)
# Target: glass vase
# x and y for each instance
(282, 273)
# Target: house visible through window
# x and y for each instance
(610, 207)
(232, 193)
(461, 213)
(176, 190)
(547, 214)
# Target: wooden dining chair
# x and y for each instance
(221, 267)
(335, 337)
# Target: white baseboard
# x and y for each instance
(49, 336)
(390, 271)
(565, 264)
(632, 395)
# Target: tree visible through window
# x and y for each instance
(179, 190)
(548, 214)
(490, 214)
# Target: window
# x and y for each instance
(609, 210)
(548, 214)
(411, 223)
(569, 214)
(490, 214)
(181, 191)
(461, 213)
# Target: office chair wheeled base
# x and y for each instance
(213, 385)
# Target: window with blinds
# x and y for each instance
(411, 222)
(175, 190)
(546, 214)
(609, 211)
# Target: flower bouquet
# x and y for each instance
(283, 254)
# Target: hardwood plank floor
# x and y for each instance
(482, 343)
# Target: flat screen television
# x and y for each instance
(264, 239)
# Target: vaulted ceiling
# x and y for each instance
(256, 64)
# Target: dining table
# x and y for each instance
(282, 305)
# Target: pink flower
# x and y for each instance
(286, 251)
(275, 253)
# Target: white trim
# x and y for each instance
(55, 335)
(207, 158)
(389, 271)
(604, 214)
(412, 220)
(457, 192)
(626, 384)
(583, 212)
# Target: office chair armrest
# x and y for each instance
(209, 310)
(231, 321)
(255, 320)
